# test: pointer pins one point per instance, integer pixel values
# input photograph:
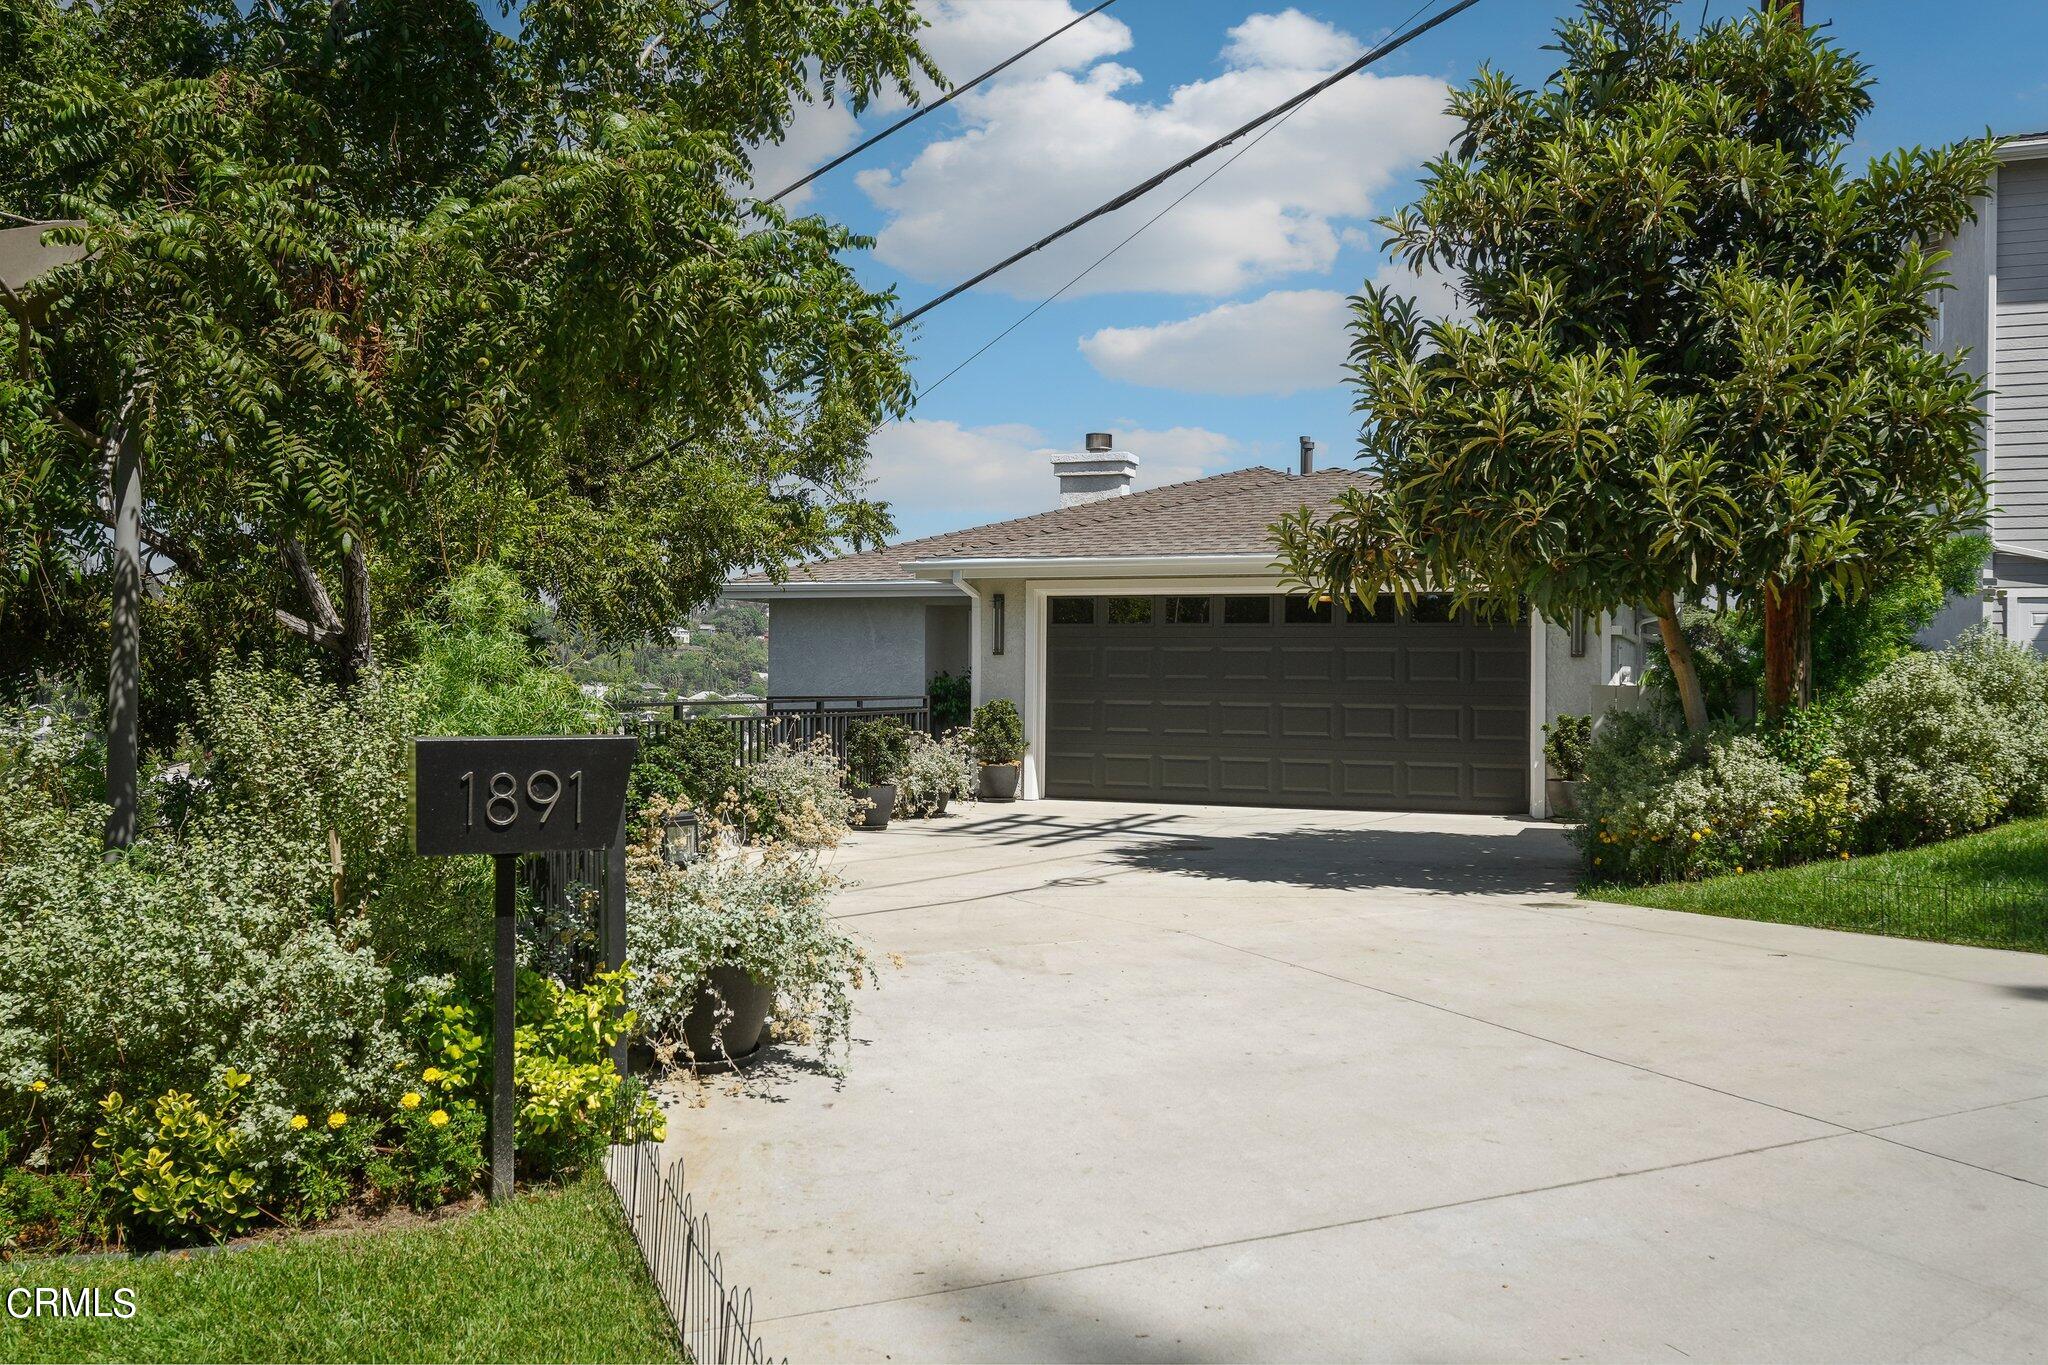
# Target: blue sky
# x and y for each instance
(1212, 341)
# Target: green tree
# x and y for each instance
(383, 292)
(1696, 369)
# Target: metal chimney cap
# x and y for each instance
(1101, 441)
(1308, 454)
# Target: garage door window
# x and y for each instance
(1073, 611)
(1187, 611)
(1302, 611)
(1247, 611)
(1130, 611)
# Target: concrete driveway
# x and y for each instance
(1205, 1083)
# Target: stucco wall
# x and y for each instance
(1002, 675)
(847, 647)
(946, 648)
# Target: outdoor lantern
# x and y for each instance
(679, 838)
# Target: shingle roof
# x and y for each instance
(1222, 514)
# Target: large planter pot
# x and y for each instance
(748, 999)
(999, 781)
(1562, 797)
(881, 803)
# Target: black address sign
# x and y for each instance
(531, 794)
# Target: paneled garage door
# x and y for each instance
(1270, 700)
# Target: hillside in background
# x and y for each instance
(724, 649)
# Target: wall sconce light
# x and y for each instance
(997, 600)
(1580, 624)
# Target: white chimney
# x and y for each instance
(1099, 473)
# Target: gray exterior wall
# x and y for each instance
(1001, 675)
(946, 647)
(846, 646)
(2020, 367)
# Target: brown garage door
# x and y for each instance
(1269, 700)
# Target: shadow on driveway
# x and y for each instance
(1524, 861)
(1040, 1318)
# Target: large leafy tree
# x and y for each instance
(378, 290)
(1695, 370)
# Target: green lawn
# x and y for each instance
(552, 1276)
(1989, 889)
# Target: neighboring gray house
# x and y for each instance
(1998, 310)
(1154, 655)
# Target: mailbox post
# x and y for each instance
(507, 797)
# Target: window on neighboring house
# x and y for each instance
(1130, 611)
(1187, 611)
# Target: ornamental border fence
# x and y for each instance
(713, 1322)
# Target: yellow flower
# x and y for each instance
(1698, 835)
(39, 1086)
(299, 1121)
(1738, 868)
(455, 1051)
(1845, 855)
(337, 1119)
(409, 1100)
(432, 1073)
(439, 1118)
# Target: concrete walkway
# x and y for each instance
(1219, 1084)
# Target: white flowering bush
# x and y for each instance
(1931, 758)
(796, 794)
(215, 948)
(938, 771)
(2012, 682)
(761, 908)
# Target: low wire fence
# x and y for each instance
(1989, 914)
(713, 1321)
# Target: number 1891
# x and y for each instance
(544, 789)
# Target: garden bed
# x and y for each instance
(552, 1276)
(1988, 889)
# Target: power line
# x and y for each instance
(1036, 308)
(1151, 183)
(950, 96)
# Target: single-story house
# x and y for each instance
(1997, 309)
(1155, 655)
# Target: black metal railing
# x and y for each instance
(713, 1321)
(789, 720)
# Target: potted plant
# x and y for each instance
(999, 744)
(736, 940)
(938, 771)
(1565, 741)
(876, 753)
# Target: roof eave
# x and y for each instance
(844, 587)
(1257, 563)
(2031, 147)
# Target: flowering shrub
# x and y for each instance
(937, 771)
(797, 794)
(176, 1165)
(572, 1100)
(2012, 682)
(761, 909)
(212, 946)
(1930, 756)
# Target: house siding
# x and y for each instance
(2020, 368)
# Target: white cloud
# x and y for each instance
(964, 38)
(1435, 293)
(1033, 153)
(1279, 343)
(939, 475)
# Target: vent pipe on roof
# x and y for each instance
(1101, 472)
(1308, 454)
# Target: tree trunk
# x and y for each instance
(1685, 675)
(124, 662)
(1788, 647)
(356, 655)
